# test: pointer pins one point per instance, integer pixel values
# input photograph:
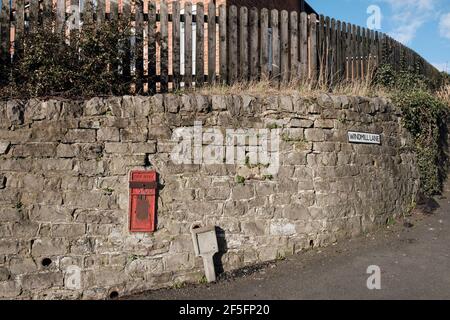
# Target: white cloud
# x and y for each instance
(409, 16)
(444, 25)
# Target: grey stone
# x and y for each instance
(2, 182)
(133, 134)
(202, 103)
(254, 228)
(42, 281)
(286, 103)
(9, 246)
(301, 123)
(67, 150)
(282, 228)
(241, 192)
(68, 230)
(220, 102)
(96, 107)
(314, 135)
(4, 274)
(177, 262)
(324, 123)
(108, 134)
(80, 135)
(15, 111)
(172, 103)
(4, 146)
(148, 147)
(157, 103)
(22, 266)
(9, 289)
(42, 247)
(325, 100)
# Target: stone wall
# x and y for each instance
(64, 169)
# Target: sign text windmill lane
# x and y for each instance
(361, 137)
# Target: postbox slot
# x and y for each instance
(143, 185)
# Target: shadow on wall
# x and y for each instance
(223, 248)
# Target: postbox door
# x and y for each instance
(142, 201)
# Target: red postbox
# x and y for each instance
(143, 187)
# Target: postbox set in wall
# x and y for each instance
(142, 205)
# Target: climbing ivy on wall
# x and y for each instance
(425, 116)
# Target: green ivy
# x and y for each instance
(87, 65)
(425, 117)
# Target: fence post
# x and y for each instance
(363, 53)
(88, 12)
(349, 53)
(113, 10)
(284, 46)
(303, 46)
(20, 28)
(188, 44)
(139, 43)
(211, 42)
(61, 15)
(276, 59)
(5, 25)
(233, 44)
(243, 43)
(254, 53)
(294, 54)
(200, 45)
(333, 47)
(33, 15)
(358, 52)
(321, 47)
(176, 44)
(313, 48)
(338, 51)
(151, 34)
(265, 44)
(126, 66)
(101, 8)
(328, 51)
(47, 12)
(223, 51)
(344, 51)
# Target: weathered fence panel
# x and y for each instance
(231, 43)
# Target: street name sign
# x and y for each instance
(362, 137)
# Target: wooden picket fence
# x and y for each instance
(232, 44)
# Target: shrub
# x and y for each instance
(425, 117)
(88, 65)
(387, 77)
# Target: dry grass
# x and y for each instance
(306, 89)
(444, 94)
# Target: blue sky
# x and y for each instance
(423, 25)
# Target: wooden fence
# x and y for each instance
(231, 44)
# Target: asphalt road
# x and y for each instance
(414, 262)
